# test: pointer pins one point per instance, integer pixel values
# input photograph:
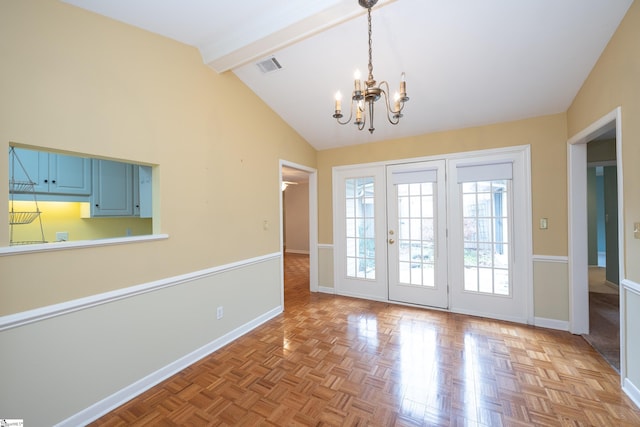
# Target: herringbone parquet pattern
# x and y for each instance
(334, 361)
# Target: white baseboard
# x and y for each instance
(513, 319)
(296, 251)
(632, 391)
(561, 325)
(326, 290)
(106, 405)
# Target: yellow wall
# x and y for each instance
(66, 217)
(546, 135)
(614, 82)
(74, 81)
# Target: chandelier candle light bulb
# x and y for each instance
(356, 77)
(372, 93)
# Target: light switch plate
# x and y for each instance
(544, 223)
(636, 230)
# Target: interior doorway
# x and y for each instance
(582, 319)
(602, 217)
(298, 237)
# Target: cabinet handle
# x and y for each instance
(97, 205)
(53, 181)
(46, 181)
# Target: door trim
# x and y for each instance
(433, 297)
(373, 289)
(521, 241)
(313, 224)
(578, 257)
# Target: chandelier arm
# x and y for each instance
(362, 123)
(392, 115)
(350, 115)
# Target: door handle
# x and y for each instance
(391, 241)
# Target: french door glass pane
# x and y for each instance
(485, 233)
(416, 237)
(360, 228)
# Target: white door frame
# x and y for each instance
(404, 293)
(371, 288)
(577, 192)
(521, 239)
(313, 225)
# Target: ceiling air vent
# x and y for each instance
(269, 65)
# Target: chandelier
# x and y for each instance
(363, 101)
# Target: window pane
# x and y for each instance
(471, 279)
(427, 206)
(360, 227)
(404, 250)
(351, 227)
(416, 229)
(416, 225)
(470, 254)
(501, 280)
(351, 247)
(486, 235)
(468, 187)
(351, 267)
(427, 229)
(485, 280)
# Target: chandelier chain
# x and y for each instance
(370, 46)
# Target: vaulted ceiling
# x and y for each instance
(467, 62)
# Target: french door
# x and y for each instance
(359, 226)
(452, 233)
(416, 233)
(490, 236)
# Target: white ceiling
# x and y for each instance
(468, 62)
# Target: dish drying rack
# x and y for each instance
(26, 186)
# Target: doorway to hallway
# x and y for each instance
(603, 256)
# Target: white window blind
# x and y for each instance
(484, 172)
(410, 177)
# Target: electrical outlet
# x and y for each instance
(62, 236)
(220, 313)
(544, 223)
(636, 230)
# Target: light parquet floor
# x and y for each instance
(335, 361)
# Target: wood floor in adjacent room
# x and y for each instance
(604, 317)
(336, 361)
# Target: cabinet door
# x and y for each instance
(30, 165)
(69, 175)
(144, 191)
(112, 188)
